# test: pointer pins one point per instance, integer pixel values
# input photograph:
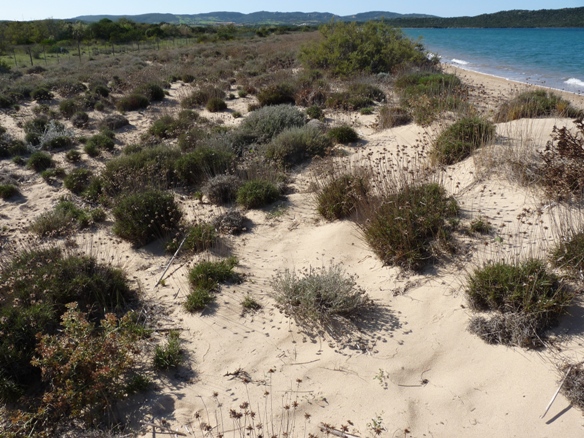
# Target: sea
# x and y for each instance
(550, 57)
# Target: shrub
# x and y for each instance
(277, 94)
(343, 134)
(267, 122)
(100, 90)
(57, 142)
(230, 222)
(41, 94)
(150, 167)
(68, 107)
(346, 101)
(59, 221)
(215, 105)
(392, 116)
(114, 122)
(527, 299)
(91, 149)
(195, 167)
(9, 147)
(198, 299)
(153, 92)
(373, 47)
(319, 296)
(568, 254)
(132, 102)
(39, 161)
(189, 140)
(314, 112)
(257, 194)
(169, 127)
(403, 228)
(96, 287)
(573, 387)
(80, 119)
(87, 370)
(221, 189)
(339, 198)
(169, 355)
(208, 275)
(536, 103)
(460, 139)
(143, 217)
(78, 180)
(295, 145)
(562, 170)
(202, 96)
(100, 142)
(199, 237)
(7, 191)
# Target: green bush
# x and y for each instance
(343, 134)
(143, 217)
(91, 149)
(57, 142)
(339, 197)
(132, 102)
(39, 161)
(208, 275)
(202, 96)
(373, 47)
(62, 279)
(149, 167)
(403, 228)
(59, 221)
(101, 141)
(78, 180)
(198, 299)
(346, 101)
(113, 122)
(319, 296)
(460, 139)
(7, 191)
(315, 112)
(169, 355)
(10, 147)
(68, 107)
(295, 145)
(536, 103)
(199, 237)
(195, 167)
(153, 92)
(257, 194)
(215, 105)
(80, 119)
(264, 124)
(41, 94)
(277, 94)
(221, 189)
(170, 127)
(527, 299)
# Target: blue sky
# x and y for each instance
(39, 9)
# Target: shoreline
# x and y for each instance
(504, 85)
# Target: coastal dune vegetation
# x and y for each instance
(191, 152)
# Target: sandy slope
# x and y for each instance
(411, 362)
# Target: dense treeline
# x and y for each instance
(568, 17)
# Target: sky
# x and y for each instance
(40, 9)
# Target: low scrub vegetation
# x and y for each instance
(319, 296)
(263, 125)
(339, 197)
(257, 193)
(62, 220)
(343, 134)
(296, 145)
(205, 278)
(526, 299)
(568, 254)
(408, 227)
(536, 103)
(132, 102)
(460, 139)
(392, 116)
(169, 355)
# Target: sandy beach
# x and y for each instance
(410, 368)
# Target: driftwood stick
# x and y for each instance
(336, 432)
(557, 392)
(170, 262)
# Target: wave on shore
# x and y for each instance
(575, 81)
(459, 61)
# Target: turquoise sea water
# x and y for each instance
(549, 57)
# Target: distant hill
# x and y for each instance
(568, 17)
(258, 18)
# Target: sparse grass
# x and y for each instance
(393, 116)
(59, 221)
(480, 225)
(536, 103)
(407, 227)
(250, 304)
(460, 139)
(169, 355)
(257, 194)
(568, 254)
(573, 387)
(198, 299)
(230, 222)
(209, 275)
(145, 216)
(198, 238)
(526, 297)
(7, 191)
(318, 296)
